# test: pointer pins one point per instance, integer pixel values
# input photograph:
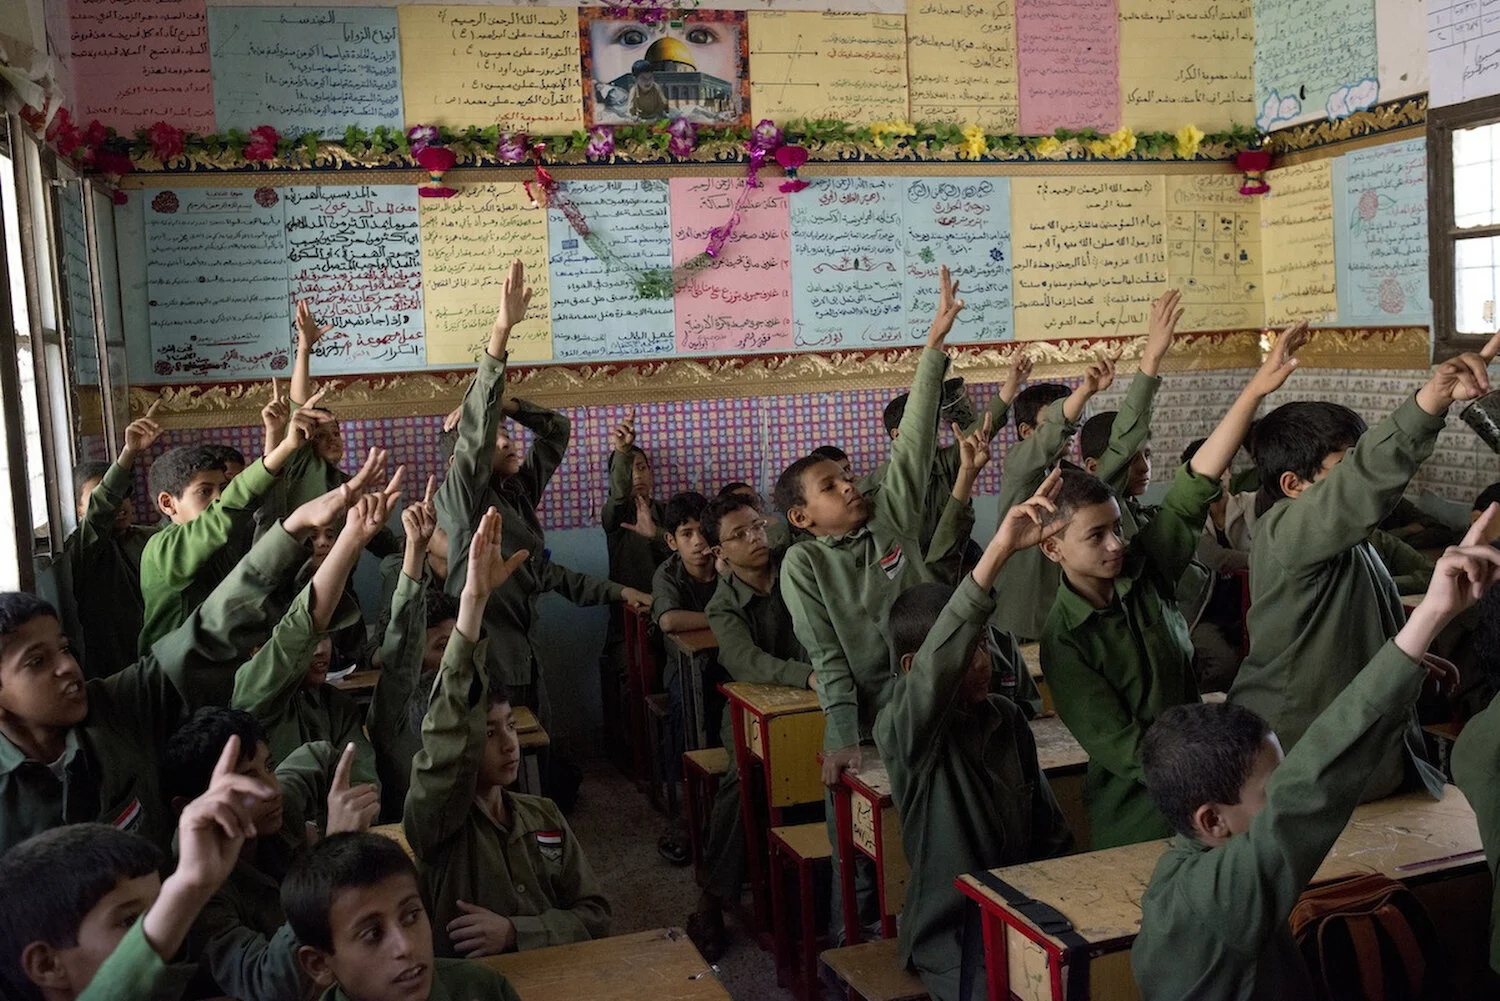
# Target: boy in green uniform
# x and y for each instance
(84, 913)
(632, 516)
(1322, 602)
(365, 936)
(241, 936)
(962, 762)
(103, 556)
(500, 871)
(1214, 918)
(1115, 650)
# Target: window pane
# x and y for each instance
(1476, 277)
(35, 469)
(1476, 176)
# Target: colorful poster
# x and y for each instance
(354, 253)
(598, 311)
(1313, 59)
(216, 283)
(1068, 55)
(515, 66)
(1186, 61)
(743, 301)
(961, 63)
(963, 222)
(695, 67)
(139, 62)
(1213, 252)
(848, 263)
(1380, 234)
(1297, 244)
(1463, 51)
(305, 69)
(847, 67)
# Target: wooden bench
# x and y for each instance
(662, 965)
(802, 845)
(867, 824)
(701, 771)
(873, 972)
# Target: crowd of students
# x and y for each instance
(186, 802)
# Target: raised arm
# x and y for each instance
(97, 524)
(1131, 430)
(309, 333)
(837, 693)
(405, 636)
(551, 432)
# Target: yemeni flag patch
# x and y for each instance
(893, 562)
(550, 844)
(129, 818)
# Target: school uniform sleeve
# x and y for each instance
(244, 962)
(1096, 713)
(1409, 569)
(950, 538)
(903, 492)
(1341, 510)
(583, 910)
(457, 500)
(1130, 432)
(1027, 461)
(265, 685)
(837, 693)
(134, 972)
(98, 522)
(1218, 557)
(1170, 538)
(551, 432)
(400, 661)
(445, 772)
(738, 653)
(1474, 756)
(666, 596)
(579, 588)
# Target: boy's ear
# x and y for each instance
(1291, 484)
(314, 963)
(718, 552)
(166, 503)
(1051, 547)
(39, 963)
(1023, 431)
(1209, 824)
(672, 541)
(797, 516)
(894, 433)
(907, 659)
(1091, 465)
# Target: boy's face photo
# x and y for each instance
(689, 542)
(642, 482)
(507, 458)
(832, 504)
(1090, 544)
(328, 443)
(66, 972)
(267, 813)
(437, 644)
(322, 659)
(206, 486)
(324, 536)
(40, 680)
(382, 943)
(502, 748)
(742, 540)
(124, 514)
(1140, 472)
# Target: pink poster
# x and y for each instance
(138, 62)
(1069, 55)
(743, 302)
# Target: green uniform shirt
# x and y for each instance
(395, 740)
(470, 489)
(182, 563)
(1321, 601)
(1410, 571)
(673, 589)
(534, 872)
(112, 770)
(966, 783)
(757, 641)
(1113, 670)
(633, 559)
(1474, 758)
(455, 980)
(839, 589)
(104, 571)
(1214, 920)
(134, 972)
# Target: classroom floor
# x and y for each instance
(618, 828)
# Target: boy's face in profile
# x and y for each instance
(1216, 823)
(688, 541)
(1090, 544)
(382, 943)
(507, 458)
(65, 972)
(124, 514)
(266, 814)
(328, 443)
(437, 643)
(832, 504)
(40, 681)
(322, 659)
(206, 486)
(742, 540)
(502, 748)
(1140, 472)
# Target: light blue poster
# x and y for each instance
(963, 222)
(848, 263)
(1380, 234)
(597, 310)
(1313, 59)
(305, 69)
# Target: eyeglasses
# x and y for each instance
(745, 534)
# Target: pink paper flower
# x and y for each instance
(167, 141)
(601, 143)
(113, 163)
(513, 147)
(684, 138)
(262, 144)
(420, 137)
(765, 136)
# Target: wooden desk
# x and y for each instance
(396, 833)
(693, 652)
(1432, 846)
(781, 730)
(640, 679)
(533, 740)
(662, 965)
(1065, 764)
(866, 821)
(1032, 652)
(360, 684)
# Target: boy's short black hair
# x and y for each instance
(1093, 437)
(1296, 438)
(193, 751)
(1200, 753)
(227, 452)
(1032, 400)
(914, 613)
(1191, 450)
(18, 608)
(722, 505)
(1489, 495)
(50, 882)
(173, 470)
(789, 492)
(737, 487)
(1079, 489)
(440, 608)
(447, 444)
(496, 694)
(84, 472)
(338, 862)
(894, 411)
(832, 452)
(683, 508)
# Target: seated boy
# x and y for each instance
(1252, 828)
(1322, 602)
(1116, 651)
(962, 762)
(682, 585)
(85, 914)
(779, 534)
(240, 936)
(103, 556)
(364, 934)
(501, 871)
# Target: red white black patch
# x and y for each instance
(893, 562)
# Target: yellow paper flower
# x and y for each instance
(1049, 146)
(1097, 147)
(1120, 143)
(880, 130)
(975, 144)
(1189, 138)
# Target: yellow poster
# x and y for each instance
(961, 60)
(1089, 255)
(849, 67)
(1213, 252)
(513, 66)
(1186, 61)
(1297, 241)
(468, 242)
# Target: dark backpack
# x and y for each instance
(1368, 938)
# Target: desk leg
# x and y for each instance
(689, 682)
(996, 962)
(843, 822)
(755, 840)
(887, 919)
(698, 669)
(638, 685)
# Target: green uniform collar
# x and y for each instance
(12, 757)
(744, 593)
(1073, 609)
(839, 541)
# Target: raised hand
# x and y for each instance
(326, 510)
(1020, 371)
(274, 416)
(1031, 521)
(366, 518)
(480, 932)
(419, 520)
(488, 569)
(622, 438)
(948, 308)
(214, 826)
(645, 521)
(309, 417)
(140, 434)
(1457, 379)
(1166, 312)
(974, 448)
(351, 809)
(309, 333)
(514, 301)
(636, 601)
(1100, 375)
(1281, 362)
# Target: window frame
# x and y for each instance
(1443, 235)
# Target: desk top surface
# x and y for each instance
(357, 683)
(772, 700)
(1056, 748)
(694, 640)
(526, 720)
(872, 779)
(1032, 652)
(662, 965)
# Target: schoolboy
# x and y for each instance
(1115, 650)
(73, 751)
(245, 947)
(85, 914)
(1321, 601)
(779, 533)
(962, 762)
(103, 556)
(500, 871)
(682, 585)
(757, 645)
(632, 515)
(488, 470)
(1252, 829)
(364, 934)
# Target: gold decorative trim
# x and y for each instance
(1393, 116)
(1368, 348)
